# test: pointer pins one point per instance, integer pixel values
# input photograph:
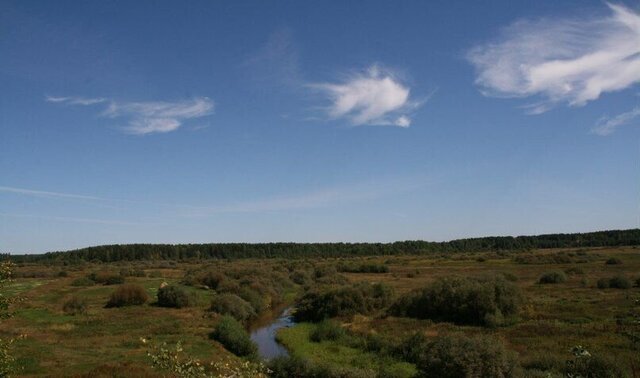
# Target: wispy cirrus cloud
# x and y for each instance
(320, 198)
(374, 97)
(75, 100)
(146, 117)
(562, 61)
(608, 125)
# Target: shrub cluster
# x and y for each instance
(74, 306)
(128, 295)
(106, 278)
(462, 301)
(460, 356)
(232, 305)
(82, 281)
(363, 298)
(578, 257)
(616, 282)
(613, 261)
(230, 333)
(242, 292)
(363, 268)
(174, 296)
(553, 277)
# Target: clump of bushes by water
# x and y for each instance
(616, 282)
(327, 330)
(230, 333)
(553, 277)
(75, 306)
(489, 301)
(128, 295)
(452, 356)
(174, 296)
(363, 298)
(232, 305)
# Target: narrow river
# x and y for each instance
(265, 337)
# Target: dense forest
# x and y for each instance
(130, 252)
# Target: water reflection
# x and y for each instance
(265, 337)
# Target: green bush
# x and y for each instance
(233, 305)
(74, 306)
(603, 283)
(82, 281)
(363, 298)
(616, 282)
(613, 261)
(327, 330)
(462, 356)
(230, 333)
(174, 296)
(584, 364)
(253, 297)
(552, 277)
(620, 282)
(128, 295)
(63, 273)
(462, 301)
(106, 278)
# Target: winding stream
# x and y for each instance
(265, 337)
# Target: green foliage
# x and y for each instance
(82, 281)
(363, 298)
(613, 261)
(616, 282)
(128, 295)
(106, 278)
(327, 330)
(230, 333)
(63, 273)
(620, 282)
(462, 356)
(74, 306)
(128, 252)
(463, 301)
(584, 365)
(553, 277)
(6, 359)
(233, 305)
(363, 268)
(174, 296)
(177, 363)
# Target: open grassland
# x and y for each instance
(551, 320)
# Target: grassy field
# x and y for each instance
(552, 319)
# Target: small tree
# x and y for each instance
(127, 295)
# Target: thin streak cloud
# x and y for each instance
(146, 117)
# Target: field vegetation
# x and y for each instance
(502, 313)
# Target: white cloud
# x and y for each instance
(570, 61)
(147, 117)
(607, 125)
(75, 100)
(374, 97)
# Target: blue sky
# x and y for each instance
(261, 121)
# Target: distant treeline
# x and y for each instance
(128, 252)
